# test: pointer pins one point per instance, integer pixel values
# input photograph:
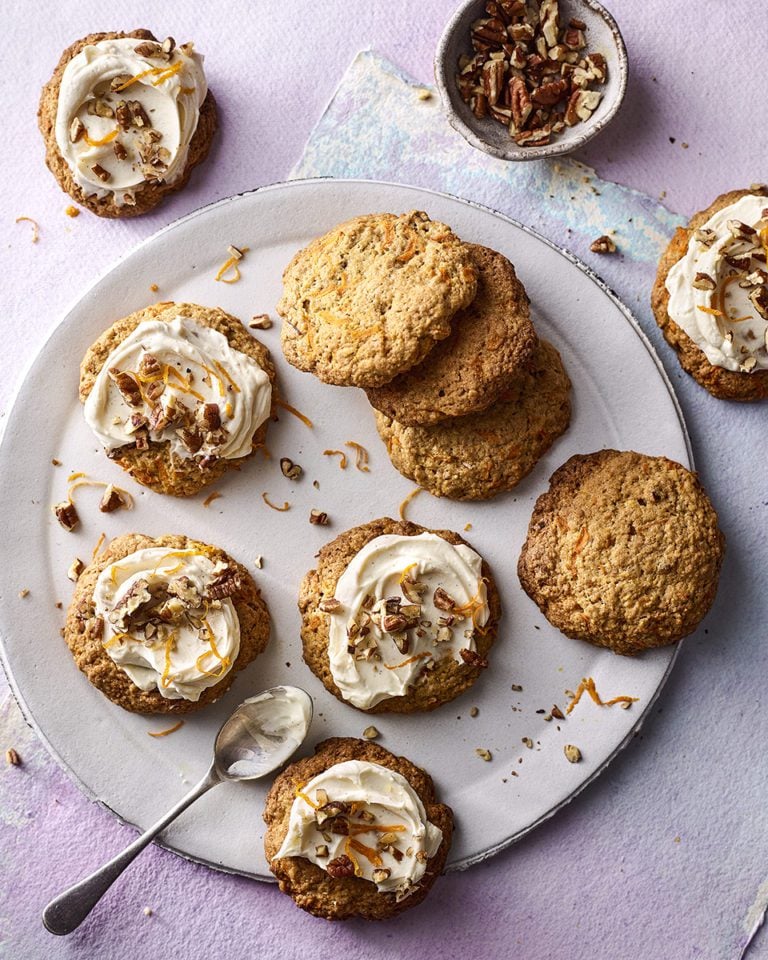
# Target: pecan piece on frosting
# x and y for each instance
(341, 867)
(472, 659)
(225, 583)
(128, 387)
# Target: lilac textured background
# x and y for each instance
(665, 855)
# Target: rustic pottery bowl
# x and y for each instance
(603, 36)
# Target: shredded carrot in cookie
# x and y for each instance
(211, 497)
(587, 685)
(231, 264)
(165, 733)
(35, 227)
(361, 456)
(285, 506)
(404, 505)
(408, 253)
(294, 411)
(104, 140)
(337, 453)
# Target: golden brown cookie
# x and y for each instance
(492, 340)
(721, 383)
(623, 551)
(433, 687)
(151, 192)
(156, 466)
(370, 298)
(345, 898)
(83, 630)
(477, 456)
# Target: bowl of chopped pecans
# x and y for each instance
(531, 80)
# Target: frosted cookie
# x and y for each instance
(177, 394)
(491, 341)
(355, 832)
(162, 625)
(711, 295)
(397, 618)
(369, 299)
(623, 550)
(125, 120)
(483, 454)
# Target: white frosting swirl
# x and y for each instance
(734, 336)
(184, 659)
(198, 367)
(170, 90)
(390, 800)
(367, 677)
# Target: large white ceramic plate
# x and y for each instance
(621, 399)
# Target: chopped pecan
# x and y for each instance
(67, 515)
(104, 175)
(123, 114)
(290, 469)
(128, 387)
(149, 50)
(603, 244)
(519, 102)
(330, 605)
(139, 116)
(550, 93)
(759, 299)
(493, 80)
(319, 518)
(112, 499)
(76, 130)
(443, 600)
(225, 584)
(472, 658)
(119, 150)
(209, 416)
(341, 867)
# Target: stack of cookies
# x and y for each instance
(438, 333)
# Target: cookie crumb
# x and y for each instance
(603, 244)
(467, 527)
(147, 911)
(12, 758)
(517, 688)
(24, 592)
(371, 733)
(572, 754)
(473, 711)
(55, 462)
(261, 321)
(424, 94)
(258, 562)
(154, 287)
(72, 211)
(528, 742)
(484, 754)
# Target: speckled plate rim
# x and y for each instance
(444, 76)
(586, 270)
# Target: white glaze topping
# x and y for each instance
(170, 91)
(386, 799)
(717, 303)
(196, 367)
(182, 657)
(378, 668)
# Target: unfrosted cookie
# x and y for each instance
(181, 616)
(623, 551)
(738, 383)
(125, 120)
(346, 864)
(440, 645)
(492, 340)
(477, 456)
(370, 298)
(178, 394)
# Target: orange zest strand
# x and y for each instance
(231, 264)
(224, 662)
(295, 412)
(337, 453)
(587, 685)
(104, 140)
(167, 73)
(407, 254)
(162, 74)
(76, 476)
(710, 310)
(116, 639)
(285, 506)
(35, 227)
(404, 663)
(211, 497)
(404, 505)
(97, 548)
(361, 456)
(166, 678)
(222, 370)
(368, 852)
(404, 574)
(305, 797)
(355, 863)
(165, 733)
(77, 480)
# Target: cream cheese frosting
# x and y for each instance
(166, 624)
(718, 291)
(186, 385)
(404, 602)
(126, 114)
(388, 837)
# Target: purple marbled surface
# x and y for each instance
(665, 856)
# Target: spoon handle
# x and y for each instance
(69, 909)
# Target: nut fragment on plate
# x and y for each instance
(572, 754)
(530, 72)
(603, 244)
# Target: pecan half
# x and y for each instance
(341, 867)
(128, 387)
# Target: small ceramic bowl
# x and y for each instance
(603, 36)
